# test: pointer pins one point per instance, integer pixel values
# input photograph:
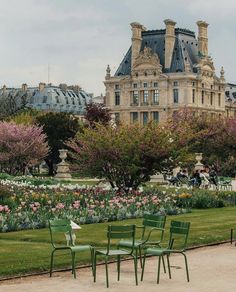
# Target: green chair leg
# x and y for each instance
(163, 262)
(51, 266)
(94, 266)
(92, 259)
(107, 280)
(73, 264)
(168, 263)
(186, 265)
(143, 266)
(136, 270)
(158, 270)
(140, 256)
(118, 267)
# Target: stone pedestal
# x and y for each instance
(63, 171)
(199, 165)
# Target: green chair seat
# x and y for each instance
(129, 243)
(156, 251)
(76, 248)
(113, 252)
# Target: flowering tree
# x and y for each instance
(215, 137)
(126, 156)
(97, 113)
(21, 146)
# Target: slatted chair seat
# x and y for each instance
(114, 252)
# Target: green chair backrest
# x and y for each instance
(59, 226)
(152, 221)
(120, 232)
(179, 232)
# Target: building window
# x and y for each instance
(211, 86)
(211, 98)
(73, 101)
(117, 86)
(175, 83)
(202, 85)
(57, 99)
(145, 84)
(219, 99)
(117, 118)
(219, 88)
(135, 98)
(135, 85)
(145, 96)
(134, 117)
(155, 116)
(203, 96)
(145, 118)
(156, 96)
(155, 84)
(175, 95)
(67, 100)
(193, 95)
(117, 98)
(227, 93)
(45, 99)
(193, 83)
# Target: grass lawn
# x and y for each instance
(28, 251)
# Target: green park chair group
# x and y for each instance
(122, 242)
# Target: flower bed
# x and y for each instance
(25, 206)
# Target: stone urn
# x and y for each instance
(63, 171)
(199, 165)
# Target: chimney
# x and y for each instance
(137, 29)
(202, 38)
(24, 87)
(169, 41)
(41, 86)
(63, 86)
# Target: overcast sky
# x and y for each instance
(78, 38)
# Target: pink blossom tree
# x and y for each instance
(21, 146)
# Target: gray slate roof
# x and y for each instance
(185, 50)
(51, 98)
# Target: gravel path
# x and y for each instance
(212, 269)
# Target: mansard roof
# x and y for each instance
(185, 50)
(48, 98)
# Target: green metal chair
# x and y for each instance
(117, 233)
(178, 233)
(151, 224)
(64, 226)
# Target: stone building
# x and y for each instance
(165, 70)
(46, 97)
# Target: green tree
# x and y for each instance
(59, 127)
(126, 155)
